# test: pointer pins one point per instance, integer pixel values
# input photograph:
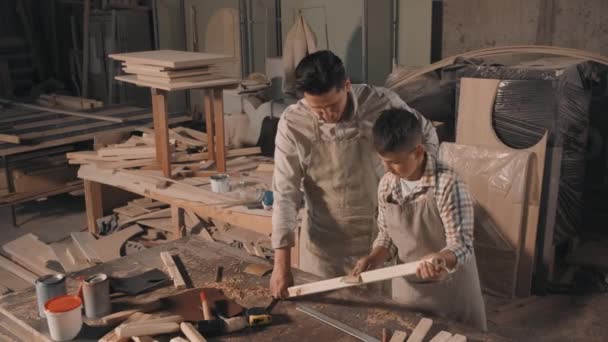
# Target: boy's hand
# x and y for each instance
(433, 268)
(362, 265)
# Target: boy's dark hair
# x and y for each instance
(319, 73)
(396, 130)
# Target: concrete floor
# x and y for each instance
(549, 318)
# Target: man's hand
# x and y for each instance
(376, 258)
(279, 282)
(281, 277)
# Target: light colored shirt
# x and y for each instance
(293, 149)
(408, 186)
(453, 199)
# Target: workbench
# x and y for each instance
(357, 308)
(42, 132)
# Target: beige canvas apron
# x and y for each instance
(417, 231)
(340, 186)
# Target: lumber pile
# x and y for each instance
(169, 69)
(188, 148)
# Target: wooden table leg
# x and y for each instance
(220, 142)
(209, 122)
(94, 204)
(161, 130)
(178, 222)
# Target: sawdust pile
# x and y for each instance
(377, 316)
(235, 289)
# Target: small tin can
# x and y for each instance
(49, 287)
(96, 293)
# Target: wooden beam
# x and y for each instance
(220, 142)
(421, 330)
(173, 270)
(161, 130)
(94, 204)
(458, 338)
(191, 333)
(85, 241)
(209, 122)
(386, 273)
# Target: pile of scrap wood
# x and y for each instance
(189, 154)
(167, 68)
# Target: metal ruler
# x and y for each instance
(336, 324)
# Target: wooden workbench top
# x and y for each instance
(354, 307)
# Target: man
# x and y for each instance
(323, 145)
(424, 212)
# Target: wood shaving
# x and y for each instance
(377, 316)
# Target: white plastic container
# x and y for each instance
(220, 183)
(64, 317)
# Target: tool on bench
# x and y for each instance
(258, 316)
(336, 324)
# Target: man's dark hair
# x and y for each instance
(319, 73)
(396, 130)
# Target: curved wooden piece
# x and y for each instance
(474, 127)
(503, 50)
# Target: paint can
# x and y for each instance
(220, 183)
(48, 287)
(64, 317)
(96, 295)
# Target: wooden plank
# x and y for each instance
(367, 277)
(8, 138)
(209, 122)
(85, 242)
(171, 81)
(61, 111)
(131, 211)
(173, 270)
(31, 253)
(125, 164)
(398, 336)
(68, 129)
(474, 127)
(69, 256)
(161, 130)
(17, 270)
(112, 336)
(218, 113)
(222, 82)
(142, 151)
(421, 330)
(140, 70)
(442, 336)
(201, 136)
(94, 204)
(171, 58)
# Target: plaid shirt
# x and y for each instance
(453, 201)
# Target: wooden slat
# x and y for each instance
(137, 69)
(94, 204)
(84, 241)
(61, 111)
(209, 122)
(173, 270)
(30, 252)
(218, 113)
(161, 130)
(421, 330)
(8, 138)
(385, 273)
(442, 336)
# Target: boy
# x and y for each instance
(424, 212)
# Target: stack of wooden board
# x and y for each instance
(170, 69)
